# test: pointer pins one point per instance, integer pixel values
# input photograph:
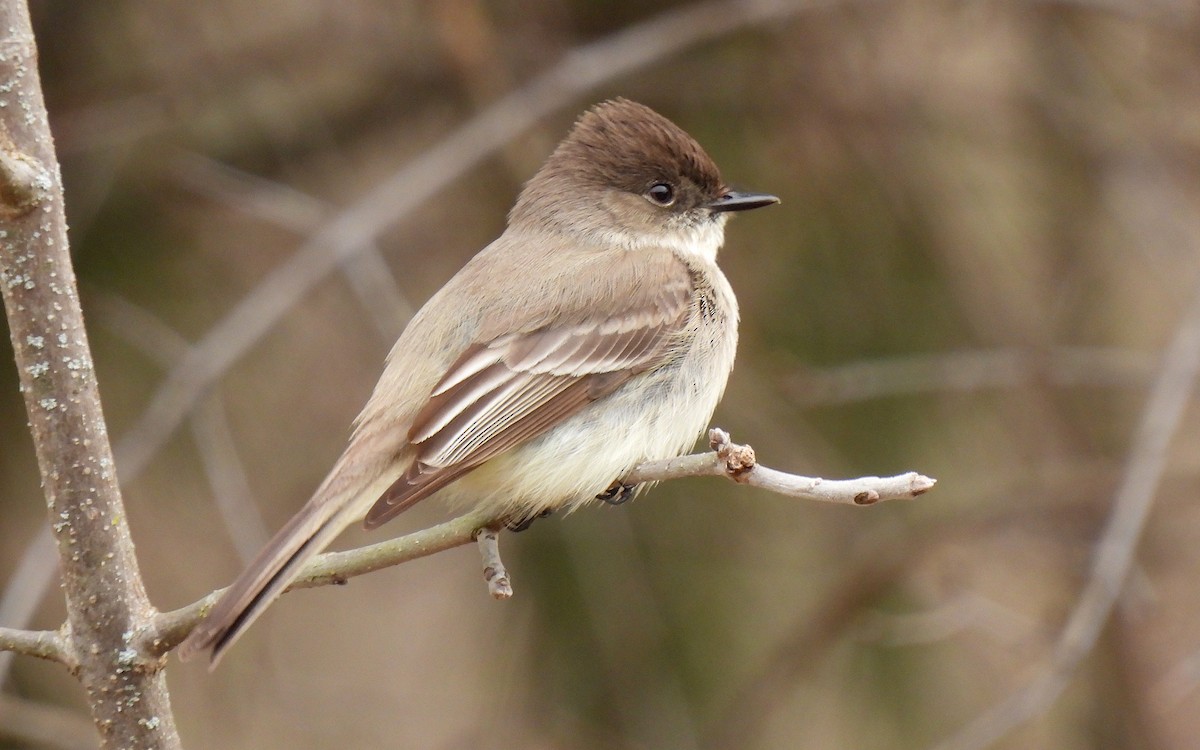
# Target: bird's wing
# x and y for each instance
(503, 392)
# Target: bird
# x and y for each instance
(595, 333)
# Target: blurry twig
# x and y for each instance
(615, 584)
(1115, 549)
(209, 423)
(1180, 681)
(26, 587)
(744, 719)
(969, 371)
(472, 45)
(1170, 14)
(366, 271)
(875, 567)
(353, 229)
(210, 430)
(967, 611)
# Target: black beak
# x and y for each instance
(735, 201)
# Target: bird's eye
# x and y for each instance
(661, 193)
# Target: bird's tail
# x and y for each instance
(329, 511)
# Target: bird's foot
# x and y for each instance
(519, 523)
(617, 493)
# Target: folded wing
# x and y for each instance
(506, 391)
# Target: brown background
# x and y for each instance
(989, 232)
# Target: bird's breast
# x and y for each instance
(655, 415)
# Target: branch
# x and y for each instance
(806, 641)
(44, 644)
(1115, 549)
(170, 628)
(26, 588)
(726, 459)
(105, 599)
(367, 272)
(209, 423)
(737, 462)
(494, 571)
(969, 371)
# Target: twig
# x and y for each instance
(970, 371)
(744, 720)
(1179, 681)
(1115, 549)
(284, 206)
(727, 459)
(209, 423)
(966, 612)
(44, 644)
(26, 588)
(494, 571)
(353, 229)
(737, 462)
(170, 628)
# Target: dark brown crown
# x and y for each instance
(623, 145)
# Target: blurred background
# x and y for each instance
(989, 235)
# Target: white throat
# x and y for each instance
(693, 242)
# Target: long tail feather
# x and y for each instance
(312, 529)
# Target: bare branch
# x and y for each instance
(494, 571)
(367, 272)
(26, 588)
(968, 611)
(44, 644)
(170, 628)
(105, 599)
(970, 371)
(209, 423)
(737, 462)
(1115, 549)
(727, 459)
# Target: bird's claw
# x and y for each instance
(520, 524)
(617, 493)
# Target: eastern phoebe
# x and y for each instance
(594, 334)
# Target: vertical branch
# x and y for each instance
(1115, 550)
(106, 602)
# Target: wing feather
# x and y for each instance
(481, 359)
(445, 405)
(506, 391)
